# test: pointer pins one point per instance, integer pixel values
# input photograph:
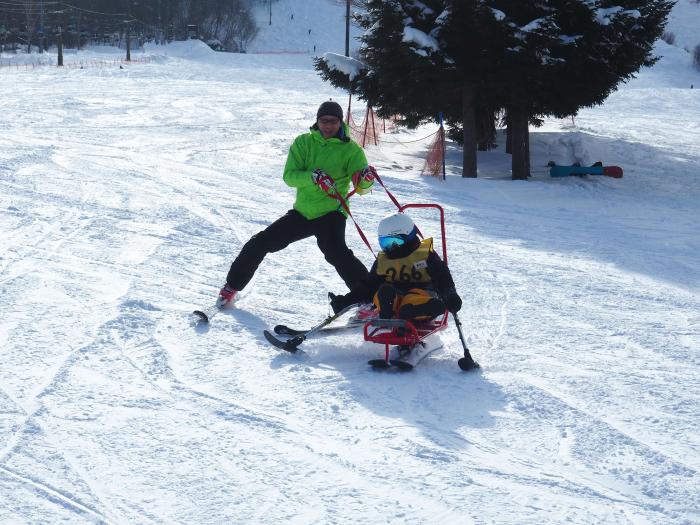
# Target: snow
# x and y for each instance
(124, 195)
(425, 10)
(533, 26)
(682, 22)
(318, 24)
(442, 17)
(419, 38)
(348, 65)
(604, 15)
(498, 14)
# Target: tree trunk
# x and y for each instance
(486, 128)
(469, 127)
(527, 149)
(519, 118)
(60, 46)
(509, 135)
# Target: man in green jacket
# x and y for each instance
(320, 163)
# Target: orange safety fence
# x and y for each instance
(370, 130)
(435, 160)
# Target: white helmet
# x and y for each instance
(396, 230)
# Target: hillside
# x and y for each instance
(682, 23)
(298, 26)
(126, 192)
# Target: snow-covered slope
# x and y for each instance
(309, 26)
(683, 23)
(124, 195)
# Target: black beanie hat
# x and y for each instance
(330, 108)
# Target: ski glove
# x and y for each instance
(363, 180)
(322, 180)
(338, 302)
(452, 301)
(369, 173)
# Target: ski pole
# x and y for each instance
(467, 362)
(343, 202)
(389, 194)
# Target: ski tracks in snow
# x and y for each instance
(114, 409)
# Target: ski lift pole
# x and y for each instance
(467, 362)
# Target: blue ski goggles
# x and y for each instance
(390, 242)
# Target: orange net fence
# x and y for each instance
(435, 160)
(365, 133)
(373, 127)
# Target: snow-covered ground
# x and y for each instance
(683, 24)
(311, 26)
(124, 195)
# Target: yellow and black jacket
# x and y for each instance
(415, 265)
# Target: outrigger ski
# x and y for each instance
(353, 322)
(291, 345)
(282, 329)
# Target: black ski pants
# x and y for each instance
(329, 231)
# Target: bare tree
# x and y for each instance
(31, 12)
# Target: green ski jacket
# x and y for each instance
(339, 158)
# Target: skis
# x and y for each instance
(597, 169)
(405, 358)
(291, 345)
(402, 358)
(282, 329)
(204, 316)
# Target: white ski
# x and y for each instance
(408, 358)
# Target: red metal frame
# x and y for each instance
(442, 223)
(408, 333)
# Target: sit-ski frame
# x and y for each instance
(399, 331)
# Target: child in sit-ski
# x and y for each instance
(408, 280)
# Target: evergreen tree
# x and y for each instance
(410, 69)
(532, 58)
(563, 55)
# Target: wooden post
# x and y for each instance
(60, 46)
(347, 28)
(128, 43)
(364, 134)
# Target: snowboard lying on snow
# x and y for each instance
(577, 170)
